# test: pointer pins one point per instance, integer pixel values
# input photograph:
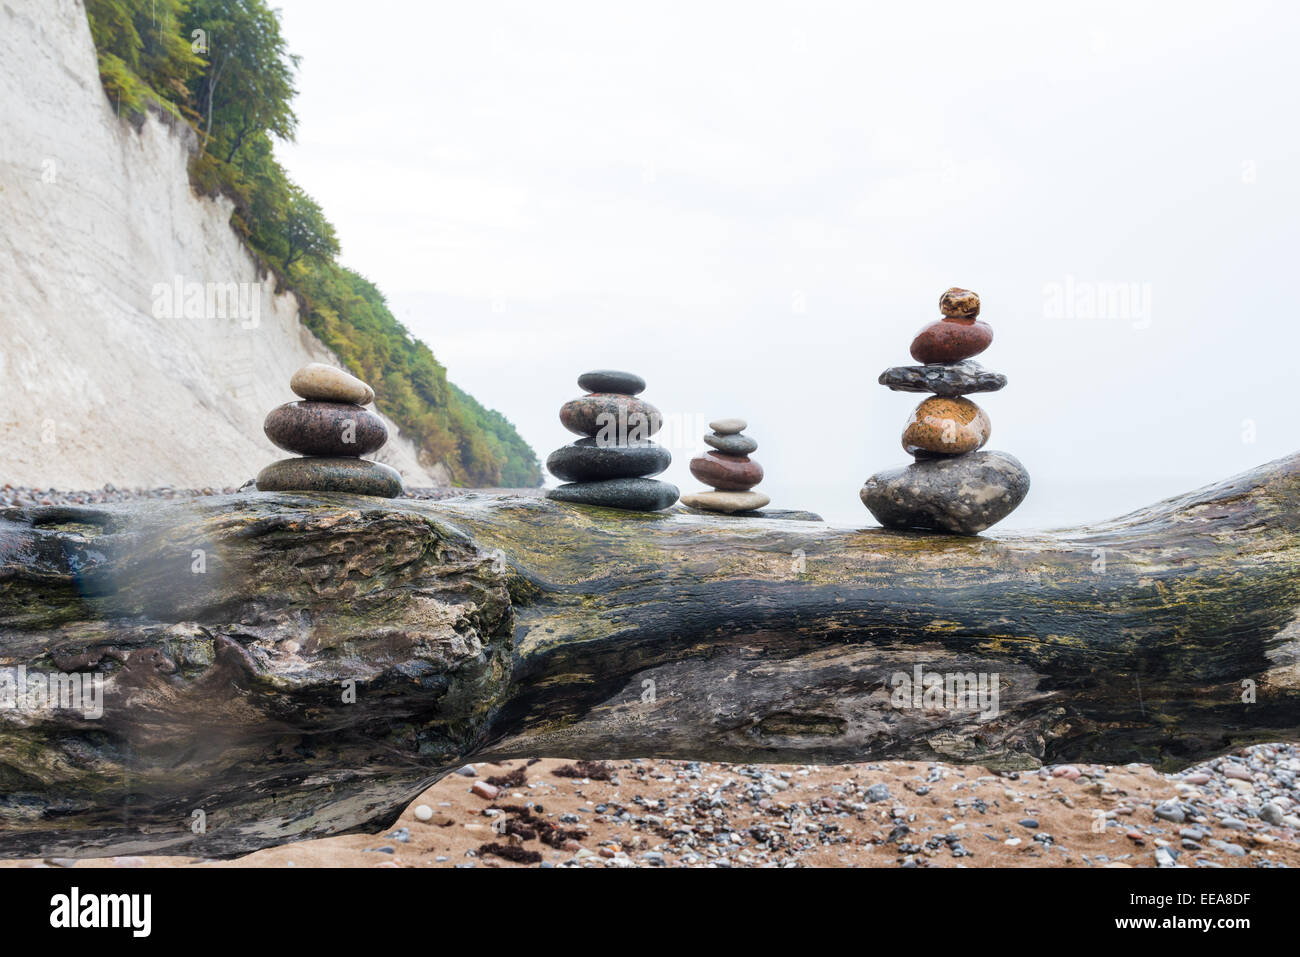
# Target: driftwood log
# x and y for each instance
(282, 666)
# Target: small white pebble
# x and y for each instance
(423, 812)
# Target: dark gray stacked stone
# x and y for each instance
(330, 430)
(612, 463)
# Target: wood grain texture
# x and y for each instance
(491, 627)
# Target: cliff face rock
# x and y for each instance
(139, 344)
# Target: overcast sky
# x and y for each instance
(756, 206)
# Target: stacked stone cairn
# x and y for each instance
(612, 463)
(331, 431)
(952, 486)
(729, 469)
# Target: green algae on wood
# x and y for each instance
(300, 665)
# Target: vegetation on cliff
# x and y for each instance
(223, 67)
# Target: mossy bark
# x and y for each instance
(232, 630)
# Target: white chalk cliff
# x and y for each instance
(101, 378)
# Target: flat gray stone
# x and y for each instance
(961, 495)
(736, 444)
(327, 474)
(587, 461)
(956, 378)
(633, 494)
(611, 380)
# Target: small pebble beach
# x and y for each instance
(1237, 811)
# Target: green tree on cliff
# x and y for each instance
(144, 57)
(247, 87)
(225, 67)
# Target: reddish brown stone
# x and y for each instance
(951, 340)
(727, 473)
(487, 792)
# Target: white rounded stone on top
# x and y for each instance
(728, 426)
(321, 383)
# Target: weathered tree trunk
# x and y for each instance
(230, 631)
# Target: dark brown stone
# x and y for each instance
(325, 428)
(727, 473)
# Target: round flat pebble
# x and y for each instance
(588, 461)
(727, 473)
(631, 494)
(611, 418)
(325, 428)
(734, 444)
(323, 383)
(611, 380)
(951, 340)
(728, 426)
(727, 502)
(330, 474)
(423, 812)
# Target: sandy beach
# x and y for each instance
(1239, 811)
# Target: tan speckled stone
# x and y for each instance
(960, 303)
(946, 425)
(324, 383)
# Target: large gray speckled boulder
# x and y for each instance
(963, 495)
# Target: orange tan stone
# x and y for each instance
(947, 426)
